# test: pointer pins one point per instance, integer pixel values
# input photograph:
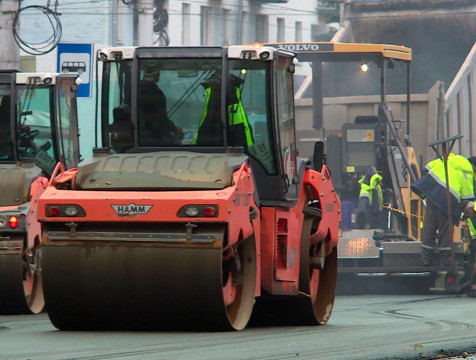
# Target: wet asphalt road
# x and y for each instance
(361, 327)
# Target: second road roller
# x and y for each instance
(38, 129)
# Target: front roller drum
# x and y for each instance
(317, 291)
(142, 286)
(20, 284)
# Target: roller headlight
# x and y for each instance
(71, 211)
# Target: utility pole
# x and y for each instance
(144, 12)
(10, 52)
(239, 22)
(114, 24)
(125, 20)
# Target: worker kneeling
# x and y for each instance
(432, 186)
(369, 208)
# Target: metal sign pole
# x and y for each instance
(446, 150)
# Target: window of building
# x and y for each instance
(186, 31)
(280, 33)
(243, 36)
(226, 27)
(205, 21)
(261, 29)
(314, 32)
(298, 29)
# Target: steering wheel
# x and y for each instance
(29, 135)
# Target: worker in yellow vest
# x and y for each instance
(470, 219)
(432, 186)
(239, 131)
(369, 209)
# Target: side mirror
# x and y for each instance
(318, 157)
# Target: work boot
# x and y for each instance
(447, 266)
(472, 290)
(445, 263)
(426, 261)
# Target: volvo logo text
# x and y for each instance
(299, 47)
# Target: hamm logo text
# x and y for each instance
(131, 209)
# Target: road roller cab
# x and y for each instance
(38, 128)
(196, 202)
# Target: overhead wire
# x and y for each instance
(160, 21)
(44, 46)
(172, 13)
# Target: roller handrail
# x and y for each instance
(59, 169)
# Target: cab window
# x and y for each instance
(34, 131)
(116, 106)
(285, 109)
(179, 103)
(6, 146)
(67, 123)
(249, 119)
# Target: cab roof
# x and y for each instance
(387, 51)
(38, 78)
(251, 52)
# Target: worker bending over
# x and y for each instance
(432, 186)
(369, 209)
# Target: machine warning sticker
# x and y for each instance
(131, 209)
(242, 199)
(370, 135)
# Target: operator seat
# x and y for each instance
(122, 130)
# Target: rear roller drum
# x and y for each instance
(318, 280)
(317, 285)
(239, 282)
(20, 283)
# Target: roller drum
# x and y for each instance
(139, 286)
(20, 291)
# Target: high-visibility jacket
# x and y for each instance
(472, 229)
(470, 222)
(433, 184)
(236, 114)
(367, 187)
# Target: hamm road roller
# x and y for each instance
(195, 204)
(38, 128)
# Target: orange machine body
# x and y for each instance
(277, 230)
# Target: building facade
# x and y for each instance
(238, 21)
(189, 22)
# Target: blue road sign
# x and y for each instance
(77, 58)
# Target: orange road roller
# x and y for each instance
(38, 128)
(194, 205)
